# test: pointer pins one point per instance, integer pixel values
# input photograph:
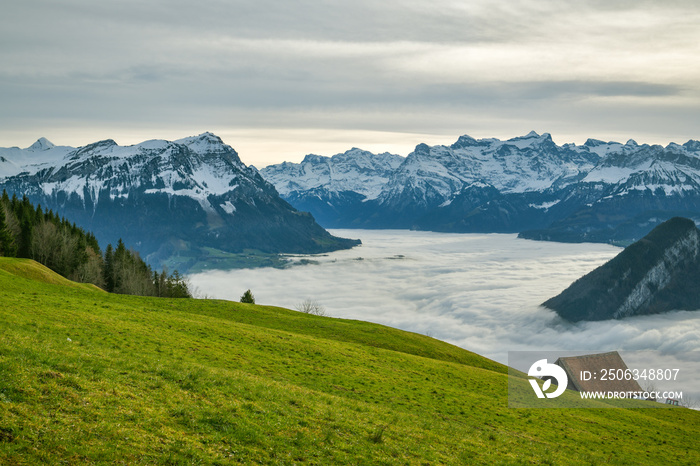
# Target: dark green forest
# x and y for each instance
(30, 232)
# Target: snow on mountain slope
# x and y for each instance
(527, 163)
(526, 182)
(673, 169)
(196, 167)
(159, 195)
(355, 170)
(41, 154)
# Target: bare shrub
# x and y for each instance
(311, 306)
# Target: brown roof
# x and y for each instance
(598, 365)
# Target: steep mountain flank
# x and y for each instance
(658, 273)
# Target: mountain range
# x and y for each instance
(656, 274)
(166, 198)
(598, 191)
(193, 197)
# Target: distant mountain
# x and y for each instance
(164, 197)
(658, 273)
(334, 188)
(631, 189)
(599, 191)
(481, 185)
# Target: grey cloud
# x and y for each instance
(592, 88)
(406, 65)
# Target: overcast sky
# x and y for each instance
(277, 79)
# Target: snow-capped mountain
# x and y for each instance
(632, 189)
(527, 163)
(336, 187)
(42, 153)
(163, 197)
(471, 170)
(598, 191)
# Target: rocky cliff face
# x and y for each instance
(659, 273)
(164, 197)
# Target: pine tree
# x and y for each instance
(248, 297)
(25, 238)
(109, 269)
(7, 242)
(177, 286)
(156, 283)
(64, 247)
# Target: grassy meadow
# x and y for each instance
(88, 377)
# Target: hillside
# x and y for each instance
(659, 273)
(88, 377)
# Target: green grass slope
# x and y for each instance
(88, 377)
(27, 268)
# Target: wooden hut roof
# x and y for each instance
(594, 364)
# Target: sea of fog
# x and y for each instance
(481, 292)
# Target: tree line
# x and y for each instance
(30, 232)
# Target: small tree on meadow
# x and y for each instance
(310, 306)
(248, 297)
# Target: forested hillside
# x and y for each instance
(30, 232)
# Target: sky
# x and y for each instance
(277, 79)
(480, 292)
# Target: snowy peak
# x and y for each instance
(532, 135)
(204, 143)
(42, 154)
(692, 146)
(464, 142)
(314, 159)
(672, 170)
(355, 170)
(593, 142)
(104, 147)
(434, 175)
(520, 184)
(41, 144)
(530, 139)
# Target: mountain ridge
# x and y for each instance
(335, 188)
(599, 191)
